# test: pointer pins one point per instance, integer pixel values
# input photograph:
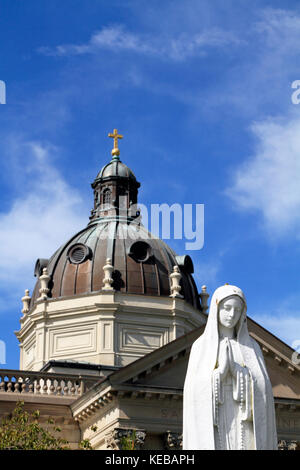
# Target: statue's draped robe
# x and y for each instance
(232, 403)
(237, 426)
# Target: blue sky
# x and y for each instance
(201, 91)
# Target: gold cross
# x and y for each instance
(115, 151)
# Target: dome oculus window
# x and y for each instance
(140, 251)
(78, 253)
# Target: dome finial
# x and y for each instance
(115, 151)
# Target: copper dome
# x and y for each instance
(142, 263)
(115, 168)
(107, 239)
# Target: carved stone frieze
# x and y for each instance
(173, 440)
(288, 445)
(123, 438)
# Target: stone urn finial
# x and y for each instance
(26, 302)
(108, 280)
(44, 289)
(204, 298)
(175, 278)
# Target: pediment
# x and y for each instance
(166, 367)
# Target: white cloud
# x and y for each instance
(117, 39)
(280, 28)
(269, 181)
(43, 217)
(265, 65)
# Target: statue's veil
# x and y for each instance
(198, 428)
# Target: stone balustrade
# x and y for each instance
(43, 383)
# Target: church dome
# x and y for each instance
(115, 168)
(141, 265)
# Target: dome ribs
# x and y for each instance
(57, 266)
(142, 277)
(120, 261)
(109, 239)
(84, 270)
(150, 278)
(68, 285)
(97, 240)
(57, 279)
(164, 268)
(157, 279)
(135, 285)
(99, 260)
(125, 259)
(83, 277)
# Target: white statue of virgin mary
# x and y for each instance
(228, 401)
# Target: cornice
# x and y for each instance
(131, 392)
(280, 359)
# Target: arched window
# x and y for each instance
(97, 197)
(106, 196)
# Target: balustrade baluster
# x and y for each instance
(45, 386)
(20, 383)
(55, 385)
(51, 388)
(59, 388)
(38, 386)
(41, 383)
(81, 388)
(66, 389)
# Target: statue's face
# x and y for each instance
(230, 310)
